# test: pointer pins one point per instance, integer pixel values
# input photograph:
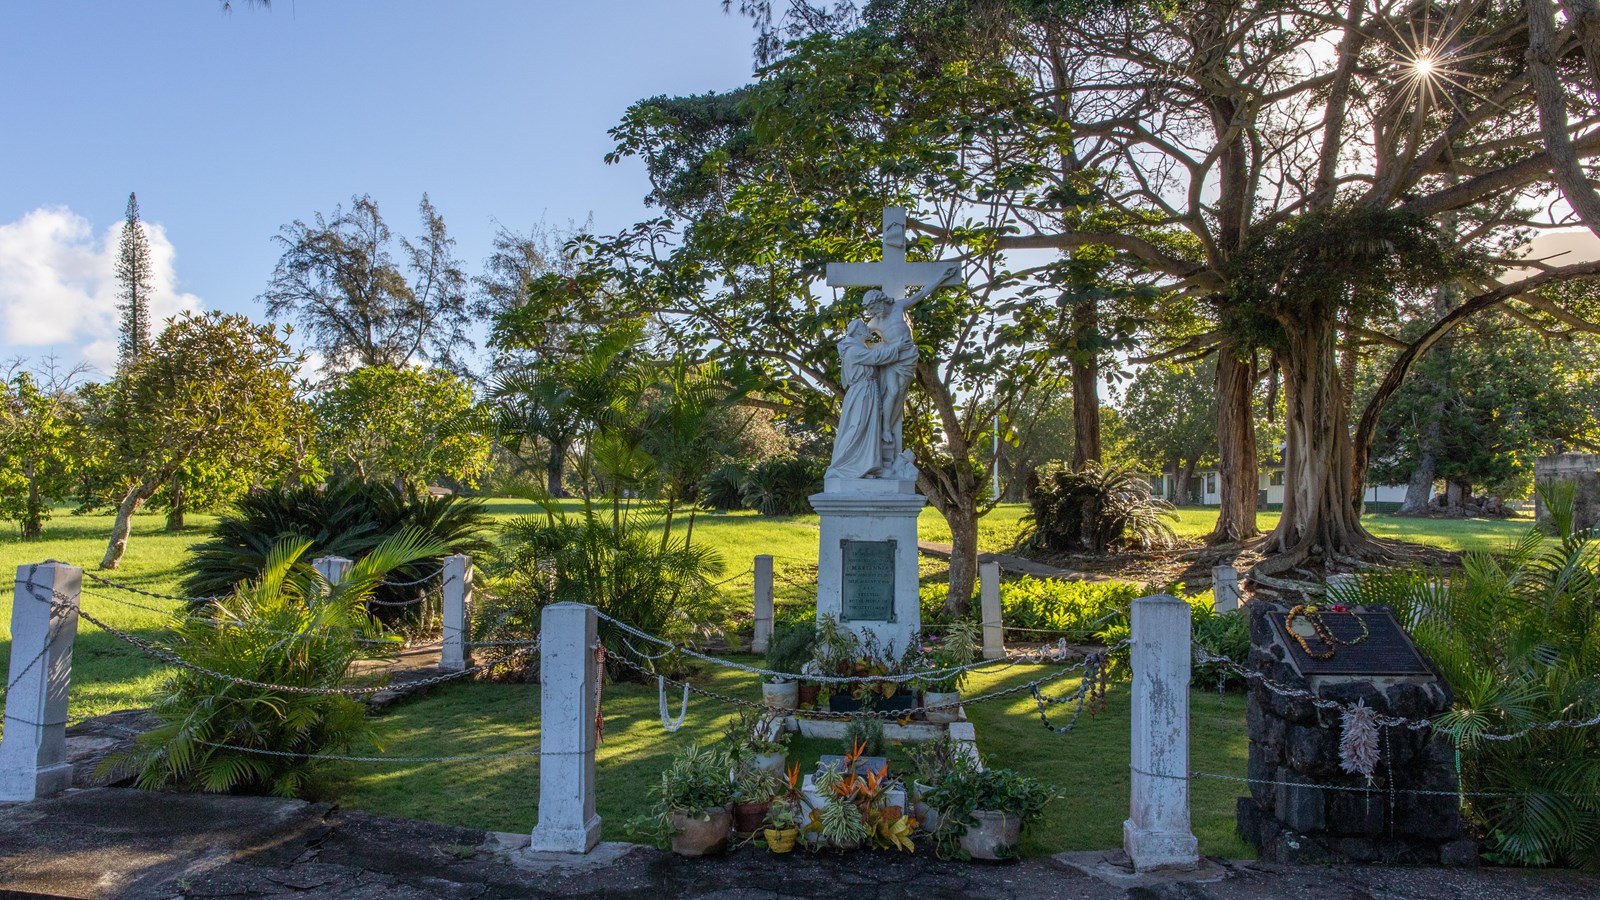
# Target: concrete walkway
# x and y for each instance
(107, 842)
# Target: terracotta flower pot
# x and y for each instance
(784, 695)
(808, 695)
(693, 836)
(994, 837)
(950, 713)
(748, 817)
(781, 841)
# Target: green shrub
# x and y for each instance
(783, 486)
(347, 517)
(1076, 610)
(616, 560)
(791, 645)
(1097, 509)
(284, 627)
(1224, 634)
(1517, 637)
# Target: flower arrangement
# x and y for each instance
(856, 809)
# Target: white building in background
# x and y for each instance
(1205, 488)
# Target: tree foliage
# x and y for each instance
(134, 286)
(339, 277)
(215, 394)
(410, 425)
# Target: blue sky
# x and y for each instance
(230, 125)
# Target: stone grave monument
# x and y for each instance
(867, 563)
(1342, 815)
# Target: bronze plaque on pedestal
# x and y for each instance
(867, 583)
(1386, 650)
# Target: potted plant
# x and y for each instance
(946, 660)
(933, 760)
(759, 737)
(753, 791)
(783, 815)
(982, 811)
(856, 807)
(692, 801)
(782, 827)
(788, 650)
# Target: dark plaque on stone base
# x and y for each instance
(867, 589)
(1386, 650)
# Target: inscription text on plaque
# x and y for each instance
(868, 582)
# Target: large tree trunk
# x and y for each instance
(1319, 521)
(1419, 490)
(1085, 386)
(963, 558)
(175, 508)
(1238, 466)
(122, 526)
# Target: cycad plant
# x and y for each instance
(1517, 636)
(286, 627)
(1097, 509)
(346, 517)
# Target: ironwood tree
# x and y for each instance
(340, 278)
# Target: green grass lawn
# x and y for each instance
(1087, 767)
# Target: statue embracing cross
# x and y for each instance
(877, 373)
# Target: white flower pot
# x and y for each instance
(927, 815)
(994, 837)
(771, 762)
(783, 695)
(942, 716)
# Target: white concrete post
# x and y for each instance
(567, 822)
(994, 634)
(763, 635)
(1157, 834)
(1224, 588)
(334, 568)
(44, 621)
(457, 587)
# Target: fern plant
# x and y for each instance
(1517, 636)
(287, 626)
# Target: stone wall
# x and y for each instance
(1583, 468)
(1294, 743)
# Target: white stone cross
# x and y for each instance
(894, 275)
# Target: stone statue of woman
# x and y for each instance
(858, 441)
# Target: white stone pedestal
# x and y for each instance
(1157, 834)
(568, 673)
(871, 509)
(44, 622)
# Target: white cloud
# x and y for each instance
(58, 284)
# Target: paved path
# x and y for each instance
(107, 842)
(1012, 563)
